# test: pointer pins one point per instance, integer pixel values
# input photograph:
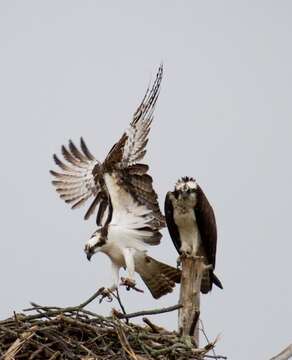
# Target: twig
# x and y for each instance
(39, 309)
(45, 308)
(67, 309)
(118, 298)
(54, 356)
(93, 297)
(18, 344)
(207, 339)
(153, 327)
(125, 343)
(150, 312)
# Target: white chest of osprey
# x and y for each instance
(188, 230)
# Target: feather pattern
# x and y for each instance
(131, 146)
(76, 183)
(134, 149)
(93, 206)
(82, 176)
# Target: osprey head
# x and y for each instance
(186, 189)
(94, 244)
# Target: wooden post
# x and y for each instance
(188, 315)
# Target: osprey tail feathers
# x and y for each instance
(216, 281)
(157, 276)
(209, 278)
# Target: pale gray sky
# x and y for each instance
(71, 68)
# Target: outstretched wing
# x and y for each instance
(171, 225)
(124, 157)
(83, 176)
(137, 134)
(80, 179)
(131, 147)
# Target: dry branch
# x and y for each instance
(148, 312)
(75, 333)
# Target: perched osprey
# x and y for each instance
(128, 216)
(191, 223)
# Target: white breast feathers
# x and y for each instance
(188, 231)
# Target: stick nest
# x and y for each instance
(75, 333)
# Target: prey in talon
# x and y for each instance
(130, 284)
(160, 278)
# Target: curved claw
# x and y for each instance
(130, 284)
(106, 294)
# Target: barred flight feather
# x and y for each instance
(64, 166)
(137, 169)
(76, 152)
(85, 150)
(81, 201)
(93, 206)
(82, 176)
(101, 211)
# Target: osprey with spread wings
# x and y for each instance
(128, 214)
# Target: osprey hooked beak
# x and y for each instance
(185, 194)
(89, 251)
(94, 244)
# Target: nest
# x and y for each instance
(76, 333)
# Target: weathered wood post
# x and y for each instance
(189, 314)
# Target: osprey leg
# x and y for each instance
(115, 276)
(130, 264)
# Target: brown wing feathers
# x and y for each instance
(160, 278)
(137, 134)
(148, 103)
(93, 206)
(141, 188)
(79, 179)
(82, 175)
(207, 226)
(135, 176)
